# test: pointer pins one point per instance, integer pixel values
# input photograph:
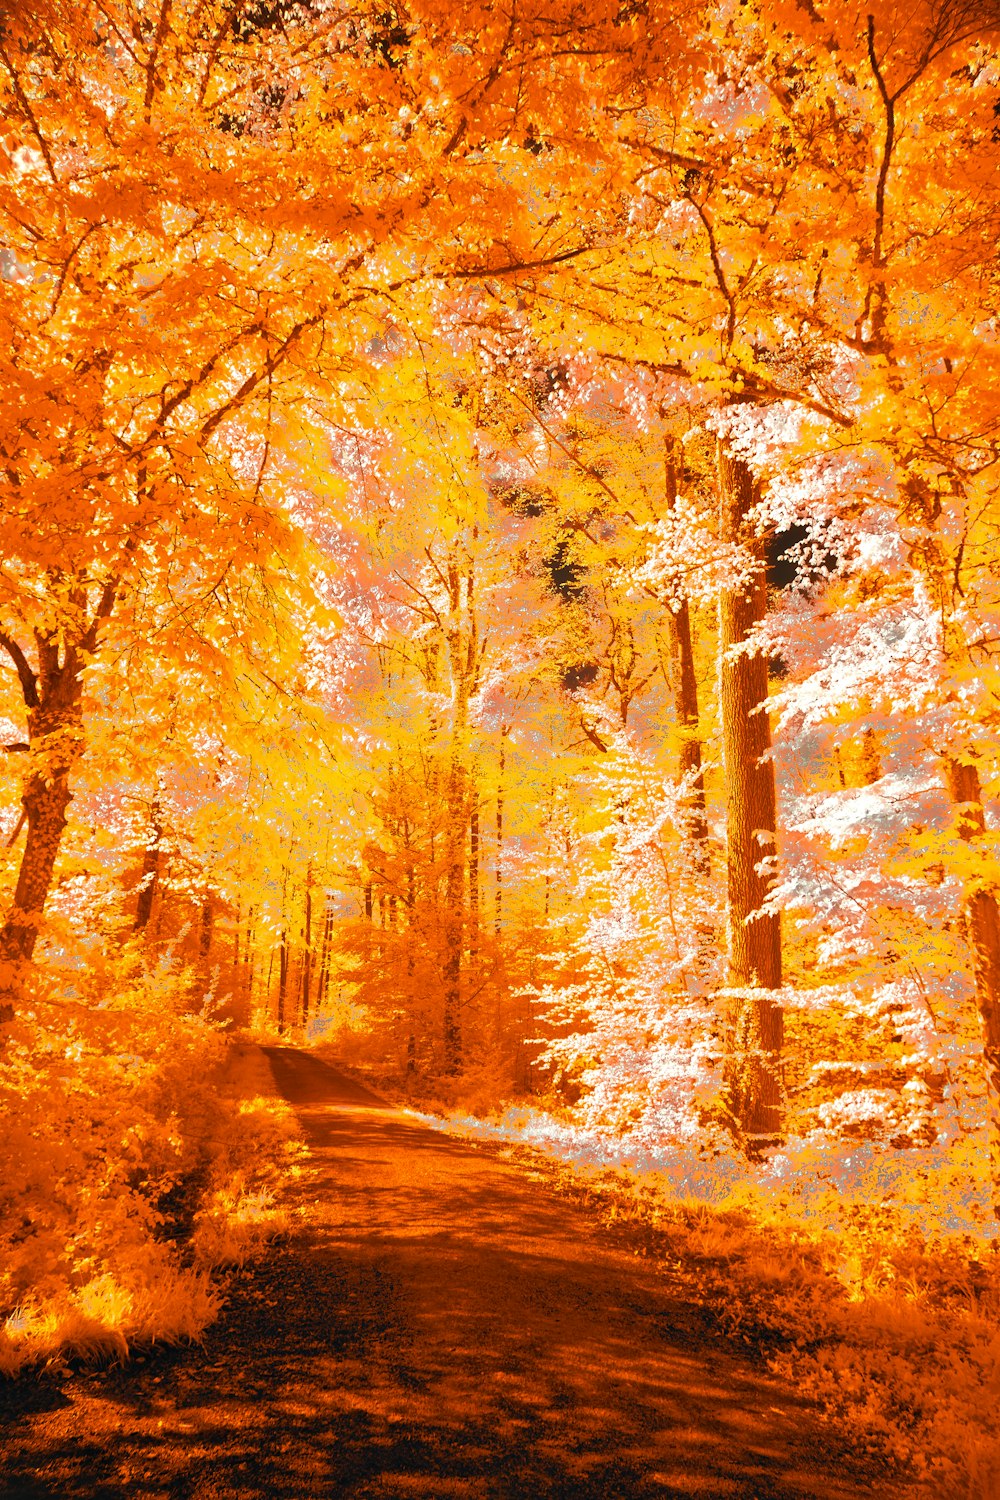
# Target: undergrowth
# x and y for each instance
(887, 1317)
(141, 1154)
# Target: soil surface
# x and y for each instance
(439, 1324)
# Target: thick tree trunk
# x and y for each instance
(753, 1070)
(684, 686)
(46, 805)
(55, 737)
(982, 915)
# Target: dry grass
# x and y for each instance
(893, 1330)
(241, 1210)
(142, 1155)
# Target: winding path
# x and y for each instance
(439, 1325)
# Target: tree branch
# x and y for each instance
(888, 101)
(271, 363)
(29, 682)
(22, 99)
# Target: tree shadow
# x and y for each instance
(438, 1326)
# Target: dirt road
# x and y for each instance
(441, 1325)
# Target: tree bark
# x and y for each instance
(249, 955)
(462, 638)
(753, 1068)
(53, 698)
(149, 879)
(205, 933)
(498, 895)
(982, 915)
(307, 949)
(283, 952)
(282, 977)
(46, 802)
(474, 875)
(454, 914)
(684, 686)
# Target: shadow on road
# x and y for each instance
(439, 1326)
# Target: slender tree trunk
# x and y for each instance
(249, 956)
(307, 949)
(205, 932)
(282, 977)
(753, 1071)
(474, 875)
(462, 659)
(283, 953)
(685, 694)
(149, 879)
(454, 923)
(498, 895)
(982, 916)
(411, 899)
(323, 983)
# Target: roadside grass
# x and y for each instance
(886, 1317)
(143, 1153)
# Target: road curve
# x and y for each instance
(439, 1325)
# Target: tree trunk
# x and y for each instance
(498, 898)
(150, 877)
(454, 916)
(249, 955)
(283, 952)
(474, 877)
(282, 977)
(685, 694)
(55, 737)
(753, 1070)
(205, 934)
(46, 806)
(462, 640)
(307, 949)
(323, 983)
(983, 924)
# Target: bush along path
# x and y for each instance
(437, 1323)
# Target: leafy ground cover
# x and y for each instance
(143, 1149)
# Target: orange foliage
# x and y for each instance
(371, 381)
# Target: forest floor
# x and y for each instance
(438, 1323)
